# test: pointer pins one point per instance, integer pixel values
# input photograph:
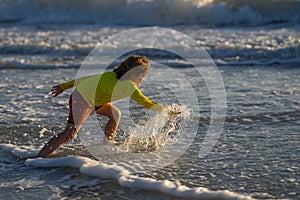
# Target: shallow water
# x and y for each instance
(256, 154)
(257, 53)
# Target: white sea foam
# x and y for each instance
(21, 152)
(123, 177)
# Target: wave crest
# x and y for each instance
(151, 12)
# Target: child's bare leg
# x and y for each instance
(79, 111)
(114, 115)
(58, 140)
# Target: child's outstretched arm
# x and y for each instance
(140, 98)
(58, 89)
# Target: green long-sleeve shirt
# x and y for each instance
(104, 88)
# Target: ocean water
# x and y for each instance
(255, 46)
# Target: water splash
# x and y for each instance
(159, 131)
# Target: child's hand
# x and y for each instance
(173, 109)
(56, 90)
(174, 112)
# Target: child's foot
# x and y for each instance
(108, 141)
(111, 142)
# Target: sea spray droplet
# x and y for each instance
(42, 131)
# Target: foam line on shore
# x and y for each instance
(123, 177)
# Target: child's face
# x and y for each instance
(140, 79)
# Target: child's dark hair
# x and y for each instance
(140, 63)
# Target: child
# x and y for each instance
(94, 94)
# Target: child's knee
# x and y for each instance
(117, 114)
